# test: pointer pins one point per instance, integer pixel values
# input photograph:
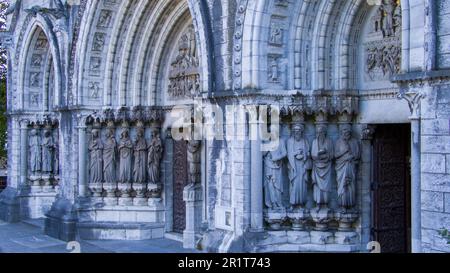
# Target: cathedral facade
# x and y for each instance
(232, 125)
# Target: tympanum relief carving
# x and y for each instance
(383, 51)
(184, 74)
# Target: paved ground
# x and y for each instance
(28, 237)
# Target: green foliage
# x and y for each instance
(446, 234)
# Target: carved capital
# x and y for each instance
(24, 123)
(367, 132)
(414, 100)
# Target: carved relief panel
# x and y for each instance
(382, 50)
(184, 73)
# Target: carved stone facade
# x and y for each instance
(134, 120)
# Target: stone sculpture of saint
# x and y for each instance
(194, 158)
(140, 154)
(273, 177)
(35, 152)
(96, 158)
(388, 20)
(322, 153)
(109, 157)
(347, 155)
(155, 153)
(298, 150)
(125, 154)
(48, 148)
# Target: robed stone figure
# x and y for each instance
(35, 152)
(273, 177)
(322, 153)
(125, 154)
(48, 147)
(155, 153)
(109, 157)
(140, 155)
(347, 156)
(298, 151)
(194, 159)
(96, 158)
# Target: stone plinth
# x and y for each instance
(122, 222)
(120, 231)
(192, 195)
(274, 218)
(299, 217)
(322, 237)
(322, 217)
(36, 203)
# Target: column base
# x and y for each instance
(9, 205)
(61, 221)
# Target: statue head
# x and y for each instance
(110, 133)
(321, 131)
(95, 133)
(125, 134)
(155, 134)
(140, 132)
(346, 131)
(297, 131)
(47, 133)
(34, 132)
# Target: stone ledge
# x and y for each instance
(120, 231)
(333, 248)
(421, 75)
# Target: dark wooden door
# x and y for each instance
(391, 188)
(180, 178)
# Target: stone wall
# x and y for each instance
(436, 168)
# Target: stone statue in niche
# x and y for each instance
(298, 152)
(48, 147)
(387, 10)
(105, 18)
(140, 154)
(35, 152)
(273, 70)
(99, 41)
(276, 34)
(194, 159)
(96, 158)
(155, 154)
(347, 155)
(322, 153)
(273, 177)
(109, 157)
(56, 156)
(125, 153)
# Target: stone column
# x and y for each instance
(23, 152)
(414, 102)
(192, 195)
(82, 159)
(256, 184)
(416, 224)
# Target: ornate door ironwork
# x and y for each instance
(391, 188)
(180, 179)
